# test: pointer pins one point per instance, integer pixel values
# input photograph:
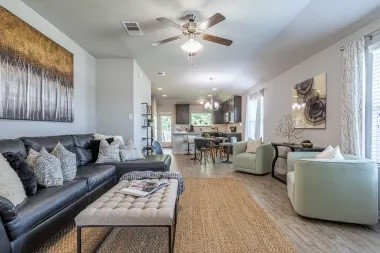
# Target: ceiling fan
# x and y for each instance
(192, 31)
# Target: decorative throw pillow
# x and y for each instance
(116, 138)
(131, 154)
(94, 144)
(108, 152)
(31, 158)
(68, 161)
(11, 187)
(24, 172)
(330, 153)
(252, 145)
(48, 169)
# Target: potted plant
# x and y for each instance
(150, 122)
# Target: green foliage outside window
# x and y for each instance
(201, 119)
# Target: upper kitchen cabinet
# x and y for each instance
(236, 109)
(182, 112)
(230, 111)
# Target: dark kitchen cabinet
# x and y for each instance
(218, 116)
(237, 109)
(231, 110)
(182, 113)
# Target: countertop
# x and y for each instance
(187, 133)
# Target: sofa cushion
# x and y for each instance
(48, 142)
(44, 204)
(82, 146)
(96, 175)
(245, 160)
(13, 146)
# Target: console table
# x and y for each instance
(293, 148)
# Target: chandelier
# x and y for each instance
(211, 105)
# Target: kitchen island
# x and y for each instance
(179, 144)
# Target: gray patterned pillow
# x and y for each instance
(68, 162)
(31, 158)
(108, 152)
(48, 169)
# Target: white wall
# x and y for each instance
(121, 87)
(114, 96)
(277, 100)
(84, 83)
(142, 93)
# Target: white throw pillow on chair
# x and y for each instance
(253, 145)
(330, 153)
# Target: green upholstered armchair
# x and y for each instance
(336, 190)
(259, 163)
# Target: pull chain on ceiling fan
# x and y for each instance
(193, 31)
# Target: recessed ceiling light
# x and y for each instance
(160, 73)
(159, 88)
(164, 95)
(209, 95)
(214, 88)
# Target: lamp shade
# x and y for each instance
(192, 46)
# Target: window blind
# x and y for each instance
(375, 112)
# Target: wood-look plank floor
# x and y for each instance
(309, 235)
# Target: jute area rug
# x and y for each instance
(215, 215)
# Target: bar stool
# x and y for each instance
(186, 140)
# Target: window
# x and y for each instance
(254, 116)
(201, 118)
(166, 128)
(373, 113)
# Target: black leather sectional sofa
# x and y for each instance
(41, 216)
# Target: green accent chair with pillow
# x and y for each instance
(335, 190)
(258, 163)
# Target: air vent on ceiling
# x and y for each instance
(132, 28)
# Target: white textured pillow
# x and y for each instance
(48, 169)
(330, 153)
(116, 138)
(131, 154)
(68, 161)
(11, 187)
(252, 145)
(108, 152)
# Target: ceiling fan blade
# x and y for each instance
(155, 44)
(218, 40)
(213, 20)
(169, 22)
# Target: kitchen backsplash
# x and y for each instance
(225, 128)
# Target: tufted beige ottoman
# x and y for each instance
(115, 209)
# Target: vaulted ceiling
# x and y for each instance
(269, 37)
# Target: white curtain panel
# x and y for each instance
(254, 117)
(352, 100)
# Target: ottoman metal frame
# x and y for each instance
(171, 230)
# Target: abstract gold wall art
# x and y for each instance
(36, 74)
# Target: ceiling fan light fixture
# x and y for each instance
(192, 46)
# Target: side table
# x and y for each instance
(293, 148)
